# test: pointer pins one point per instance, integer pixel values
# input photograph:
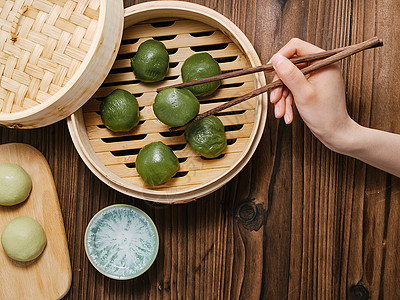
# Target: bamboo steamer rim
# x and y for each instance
(50, 107)
(152, 10)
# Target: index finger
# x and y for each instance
(298, 47)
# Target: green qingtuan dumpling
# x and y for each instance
(23, 239)
(198, 66)
(15, 184)
(151, 61)
(176, 107)
(156, 163)
(207, 136)
(119, 111)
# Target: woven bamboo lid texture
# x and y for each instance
(54, 54)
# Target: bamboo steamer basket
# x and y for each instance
(53, 56)
(185, 29)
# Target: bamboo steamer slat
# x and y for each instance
(185, 29)
(53, 56)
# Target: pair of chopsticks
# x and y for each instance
(324, 58)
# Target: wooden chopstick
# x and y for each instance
(348, 51)
(266, 68)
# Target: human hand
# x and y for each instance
(319, 96)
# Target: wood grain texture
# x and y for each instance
(299, 221)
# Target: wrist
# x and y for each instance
(345, 139)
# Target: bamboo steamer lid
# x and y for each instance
(54, 55)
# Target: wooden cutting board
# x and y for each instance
(49, 276)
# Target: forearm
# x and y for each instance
(375, 147)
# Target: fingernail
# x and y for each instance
(277, 59)
(287, 120)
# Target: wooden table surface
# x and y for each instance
(299, 221)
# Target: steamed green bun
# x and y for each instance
(23, 239)
(15, 184)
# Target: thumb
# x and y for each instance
(291, 76)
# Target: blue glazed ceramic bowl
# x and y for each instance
(121, 241)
